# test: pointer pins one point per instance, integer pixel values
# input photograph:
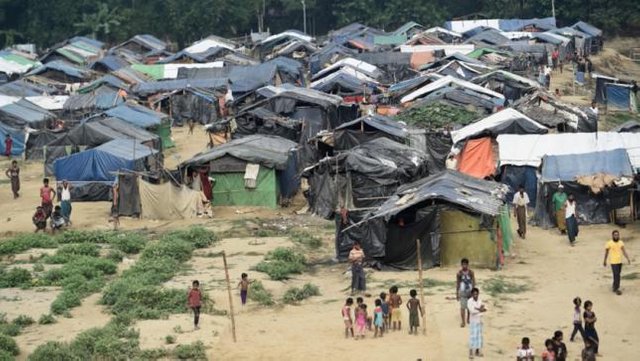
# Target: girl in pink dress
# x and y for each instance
(361, 320)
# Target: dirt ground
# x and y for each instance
(554, 272)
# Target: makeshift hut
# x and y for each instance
(258, 170)
(143, 117)
(351, 134)
(512, 86)
(545, 109)
(63, 72)
(601, 183)
(197, 104)
(264, 121)
(20, 113)
(621, 98)
(595, 36)
(454, 216)
(37, 141)
(92, 172)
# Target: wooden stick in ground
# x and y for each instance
(226, 274)
(424, 309)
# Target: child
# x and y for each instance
(346, 317)
(194, 301)
(378, 320)
(394, 307)
(525, 352)
(548, 354)
(244, 287)
(385, 310)
(577, 319)
(57, 220)
(590, 332)
(559, 348)
(413, 306)
(588, 354)
(40, 219)
(360, 302)
(361, 320)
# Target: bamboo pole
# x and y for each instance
(226, 274)
(422, 304)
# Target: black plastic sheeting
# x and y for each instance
(438, 148)
(51, 153)
(401, 249)
(370, 235)
(514, 176)
(191, 106)
(346, 139)
(591, 208)
(34, 149)
(128, 196)
(589, 125)
(91, 192)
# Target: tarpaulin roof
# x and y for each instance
(506, 121)
(111, 62)
(97, 131)
(346, 78)
(199, 57)
(63, 67)
(379, 122)
(407, 26)
(438, 29)
(100, 163)
(587, 28)
(567, 168)
(22, 88)
(22, 112)
(14, 63)
(552, 38)
(137, 114)
(208, 43)
(529, 149)
(359, 65)
(490, 36)
(502, 75)
(53, 102)
(148, 41)
(102, 98)
(145, 89)
(476, 195)
(501, 24)
(267, 150)
(449, 49)
(287, 34)
(302, 94)
(445, 82)
(108, 79)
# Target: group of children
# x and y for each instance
(556, 350)
(387, 315)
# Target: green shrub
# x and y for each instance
(257, 293)
(9, 345)
(10, 329)
(170, 339)
(26, 241)
(175, 248)
(195, 351)
(295, 295)
(15, 277)
(53, 350)
(305, 238)
(115, 255)
(152, 354)
(38, 267)
(69, 252)
(128, 243)
(78, 236)
(23, 321)
(143, 301)
(281, 262)
(112, 342)
(199, 237)
(47, 319)
(6, 356)
(65, 301)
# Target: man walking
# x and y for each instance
(614, 250)
(465, 282)
(65, 201)
(559, 201)
(14, 175)
(520, 203)
(476, 309)
(356, 258)
(571, 218)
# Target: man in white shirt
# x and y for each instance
(571, 218)
(452, 162)
(520, 203)
(65, 201)
(476, 309)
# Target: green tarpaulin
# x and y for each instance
(155, 71)
(230, 190)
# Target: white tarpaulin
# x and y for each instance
(55, 102)
(206, 44)
(166, 201)
(445, 82)
(171, 70)
(529, 149)
(493, 121)
(449, 49)
(359, 65)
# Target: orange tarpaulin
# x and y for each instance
(419, 59)
(477, 158)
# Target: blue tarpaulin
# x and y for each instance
(100, 163)
(18, 137)
(567, 168)
(137, 115)
(515, 176)
(618, 96)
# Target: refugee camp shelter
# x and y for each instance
(264, 121)
(37, 141)
(621, 98)
(595, 35)
(451, 82)
(545, 109)
(143, 117)
(601, 183)
(63, 72)
(19, 113)
(351, 134)
(93, 171)
(453, 215)
(14, 64)
(506, 121)
(258, 170)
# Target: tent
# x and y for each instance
(17, 135)
(167, 201)
(37, 141)
(594, 179)
(264, 121)
(100, 99)
(453, 215)
(506, 121)
(620, 97)
(258, 170)
(20, 113)
(601, 86)
(449, 81)
(363, 129)
(145, 118)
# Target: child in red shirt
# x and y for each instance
(194, 300)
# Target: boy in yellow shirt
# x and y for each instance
(614, 250)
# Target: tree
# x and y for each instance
(101, 23)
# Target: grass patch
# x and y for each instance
(306, 239)
(257, 293)
(23, 321)
(631, 276)
(170, 339)
(71, 251)
(195, 351)
(24, 242)
(15, 277)
(47, 319)
(498, 286)
(294, 295)
(9, 345)
(280, 263)
(426, 283)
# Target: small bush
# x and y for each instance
(23, 321)
(10, 329)
(15, 277)
(38, 267)
(294, 295)
(65, 301)
(195, 351)
(199, 237)
(115, 255)
(9, 345)
(498, 285)
(175, 248)
(53, 350)
(305, 238)
(69, 252)
(257, 293)
(170, 339)
(128, 243)
(152, 354)
(112, 342)
(76, 236)
(6, 356)
(47, 319)
(281, 262)
(26, 241)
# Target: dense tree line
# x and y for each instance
(183, 21)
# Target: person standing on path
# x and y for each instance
(65, 201)
(559, 201)
(47, 194)
(14, 175)
(8, 145)
(356, 258)
(476, 309)
(590, 332)
(194, 301)
(465, 282)
(520, 203)
(614, 250)
(571, 217)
